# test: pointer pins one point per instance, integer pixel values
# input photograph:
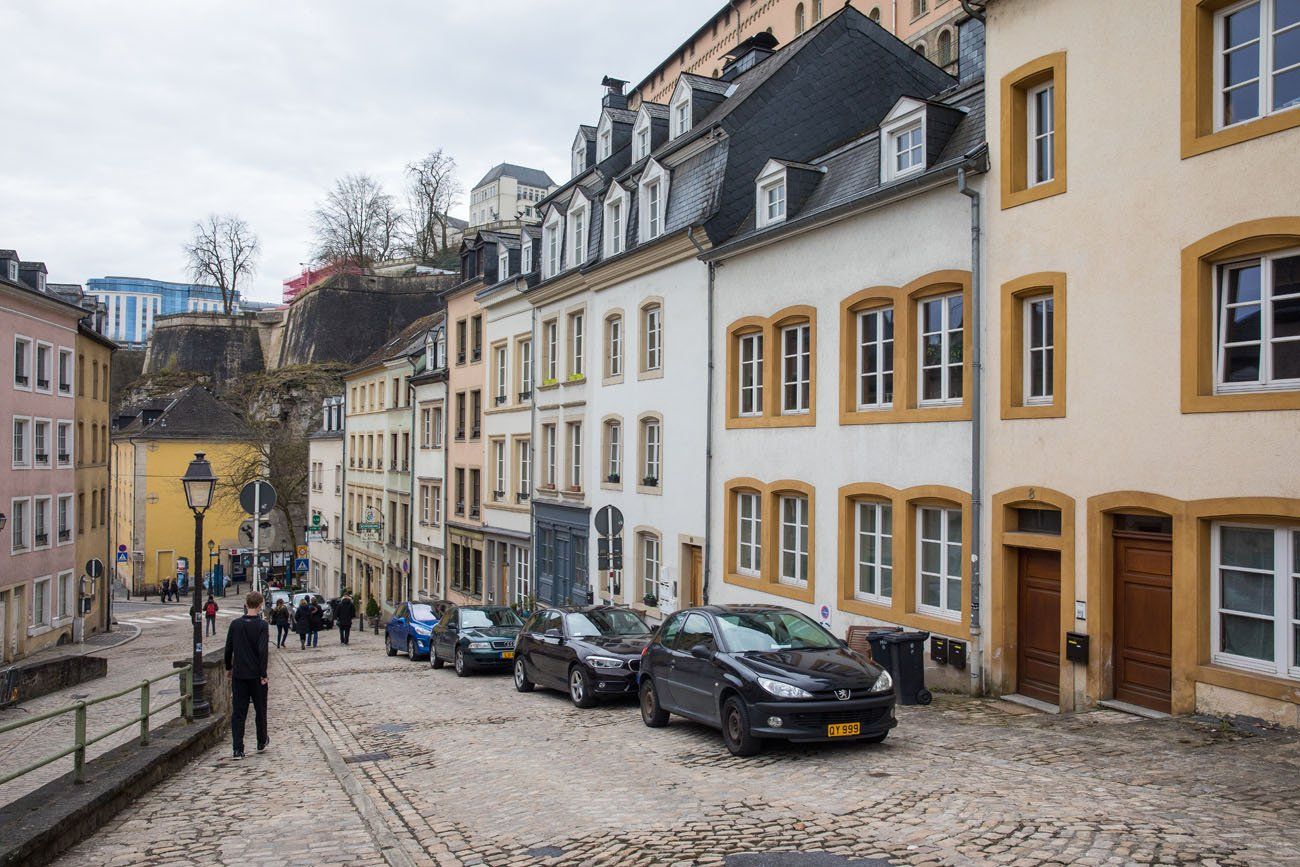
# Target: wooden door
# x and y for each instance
(1143, 601)
(693, 592)
(1038, 626)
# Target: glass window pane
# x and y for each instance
(954, 561)
(1241, 26)
(954, 525)
(1286, 89)
(1241, 364)
(887, 584)
(930, 523)
(1286, 48)
(930, 590)
(1286, 317)
(929, 556)
(953, 602)
(1243, 323)
(1246, 636)
(1241, 65)
(1244, 284)
(1241, 104)
(1286, 13)
(954, 311)
(1250, 547)
(1037, 325)
(1043, 168)
(1286, 360)
(1250, 592)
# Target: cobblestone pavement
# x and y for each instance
(379, 759)
(164, 637)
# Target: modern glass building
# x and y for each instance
(134, 302)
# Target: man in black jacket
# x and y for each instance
(343, 617)
(247, 643)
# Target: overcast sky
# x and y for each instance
(127, 120)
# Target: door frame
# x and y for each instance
(1002, 674)
(690, 587)
(1114, 612)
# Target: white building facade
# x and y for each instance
(429, 469)
(325, 500)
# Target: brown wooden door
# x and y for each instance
(695, 592)
(1143, 603)
(1038, 626)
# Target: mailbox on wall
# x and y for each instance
(939, 649)
(1076, 647)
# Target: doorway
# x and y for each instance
(692, 594)
(1038, 625)
(1143, 614)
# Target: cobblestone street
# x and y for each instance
(376, 759)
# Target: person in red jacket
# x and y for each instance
(247, 654)
(210, 616)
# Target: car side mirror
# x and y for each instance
(702, 651)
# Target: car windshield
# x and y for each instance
(772, 630)
(479, 618)
(608, 623)
(422, 612)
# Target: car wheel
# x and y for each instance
(410, 649)
(580, 688)
(735, 729)
(462, 664)
(388, 644)
(434, 661)
(522, 683)
(651, 713)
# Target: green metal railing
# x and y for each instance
(80, 741)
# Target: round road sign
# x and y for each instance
(609, 521)
(257, 498)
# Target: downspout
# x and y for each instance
(976, 473)
(343, 498)
(533, 553)
(708, 425)
(410, 495)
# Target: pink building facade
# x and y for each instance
(38, 569)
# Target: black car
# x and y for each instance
(475, 637)
(762, 671)
(590, 652)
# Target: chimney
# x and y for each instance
(748, 54)
(614, 96)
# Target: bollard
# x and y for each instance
(144, 713)
(79, 757)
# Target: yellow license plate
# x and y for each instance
(507, 654)
(840, 730)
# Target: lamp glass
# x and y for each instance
(199, 483)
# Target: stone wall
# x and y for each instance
(224, 347)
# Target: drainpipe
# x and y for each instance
(343, 502)
(533, 553)
(708, 426)
(976, 474)
(410, 495)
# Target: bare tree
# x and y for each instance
(358, 223)
(223, 253)
(432, 190)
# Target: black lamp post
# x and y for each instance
(212, 568)
(199, 485)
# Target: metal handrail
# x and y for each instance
(80, 741)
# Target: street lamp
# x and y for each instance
(3, 520)
(199, 483)
(213, 554)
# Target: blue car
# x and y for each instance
(409, 630)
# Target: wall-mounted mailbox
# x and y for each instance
(956, 653)
(1076, 647)
(939, 649)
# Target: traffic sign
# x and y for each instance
(95, 567)
(122, 557)
(315, 520)
(300, 565)
(302, 551)
(257, 498)
(609, 521)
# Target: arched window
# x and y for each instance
(817, 11)
(798, 19)
(875, 14)
(945, 48)
(919, 48)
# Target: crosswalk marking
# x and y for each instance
(171, 618)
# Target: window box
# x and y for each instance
(64, 457)
(650, 600)
(612, 478)
(577, 377)
(473, 513)
(474, 432)
(42, 539)
(42, 458)
(650, 481)
(20, 379)
(550, 383)
(522, 497)
(476, 355)
(498, 496)
(65, 535)
(43, 383)
(460, 357)
(499, 400)
(525, 396)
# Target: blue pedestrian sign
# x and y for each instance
(121, 557)
(300, 565)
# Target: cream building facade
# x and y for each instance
(325, 500)
(428, 540)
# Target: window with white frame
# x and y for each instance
(770, 205)
(876, 358)
(19, 524)
(41, 522)
(501, 366)
(1255, 591)
(1257, 69)
(651, 565)
(41, 593)
(642, 148)
(580, 155)
(551, 332)
(749, 530)
(604, 144)
(503, 263)
(652, 337)
(44, 351)
(64, 600)
(63, 518)
(523, 579)
(437, 427)
(1039, 350)
(41, 442)
(651, 451)
(526, 254)
(426, 428)
(940, 336)
(793, 509)
(436, 496)
(613, 451)
(1041, 126)
(874, 551)
(22, 449)
(614, 345)
(65, 371)
(525, 368)
(498, 469)
(577, 236)
(577, 336)
(751, 373)
(653, 210)
(1258, 330)
(426, 503)
(523, 460)
(548, 450)
(22, 364)
(551, 244)
(614, 226)
(939, 573)
(907, 150)
(681, 113)
(575, 456)
(796, 368)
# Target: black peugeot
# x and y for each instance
(762, 671)
(591, 652)
(474, 637)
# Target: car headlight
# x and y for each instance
(781, 689)
(480, 645)
(884, 683)
(604, 662)
(420, 630)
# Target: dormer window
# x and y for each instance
(770, 205)
(552, 233)
(579, 156)
(605, 145)
(40, 282)
(908, 153)
(654, 201)
(642, 146)
(577, 235)
(503, 264)
(902, 140)
(526, 254)
(679, 116)
(615, 220)
(13, 266)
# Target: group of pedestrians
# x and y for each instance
(308, 619)
(171, 591)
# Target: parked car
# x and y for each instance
(327, 612)
(410, 629)
(591, 652)
(762, 671)
(274, 596)
(474, 637)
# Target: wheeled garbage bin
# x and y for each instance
(903, 654)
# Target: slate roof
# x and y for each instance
(705, 83)
(620, 115)
(192, 413)
(587, 131)
(524, 175)
(656, 110)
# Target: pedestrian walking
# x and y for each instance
(166, 590)
(315, 623)
(343, 617)
(302, 622)
(210, 616)
(246, 660)
(280, 617)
